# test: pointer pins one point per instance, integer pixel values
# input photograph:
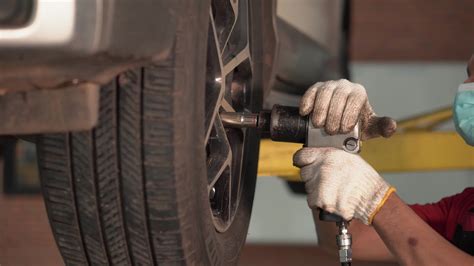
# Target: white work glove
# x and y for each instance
(341, 183)
(338, 105)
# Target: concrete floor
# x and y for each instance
(26, 240)
(292, 255)
(25, 235)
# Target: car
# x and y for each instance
(122, 99)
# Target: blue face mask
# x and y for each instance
(463, 112)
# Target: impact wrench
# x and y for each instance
(284, 124)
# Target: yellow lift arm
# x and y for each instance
(416, 147)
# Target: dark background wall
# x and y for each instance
(398, 30)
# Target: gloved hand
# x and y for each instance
(338, 105)
(341, 183)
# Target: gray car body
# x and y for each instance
(62, 44)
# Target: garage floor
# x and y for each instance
(26, 239)
(25, 236)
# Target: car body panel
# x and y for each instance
(312, 43)
(65, 43)
(85, 40)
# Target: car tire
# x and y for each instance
(135, 189)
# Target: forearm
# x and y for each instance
(411, 240)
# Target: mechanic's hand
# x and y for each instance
(338, 105)
(341, 183)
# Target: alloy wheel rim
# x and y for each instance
(228, 86)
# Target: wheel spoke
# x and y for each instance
(238, 39)
(220, 153)
(225, 16)
(215, 83)
(237, 60)
(226, 106)
(235, 9)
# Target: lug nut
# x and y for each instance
(212, 193)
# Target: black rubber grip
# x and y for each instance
(329, 217)
(287, 125)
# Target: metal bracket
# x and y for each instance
(349, 142)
